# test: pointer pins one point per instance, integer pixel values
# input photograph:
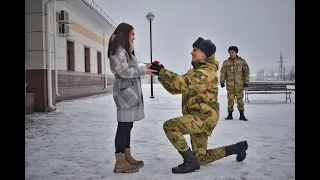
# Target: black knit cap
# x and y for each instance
(205, 46)
(233, 48)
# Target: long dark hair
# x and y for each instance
(121, 33)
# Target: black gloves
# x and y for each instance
(222, 85)
(156, 66)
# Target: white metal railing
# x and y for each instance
(95, 6)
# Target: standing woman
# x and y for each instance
(127, 94)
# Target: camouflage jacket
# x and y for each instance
(199, 89)
(235, 72)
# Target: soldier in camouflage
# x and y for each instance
(236, 72)
(200, 109)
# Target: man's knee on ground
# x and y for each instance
(201, 157)
(210, 155)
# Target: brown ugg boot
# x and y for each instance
(123, 166)
(131, 160)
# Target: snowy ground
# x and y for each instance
(77, 141)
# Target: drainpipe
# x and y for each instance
(25, 88)
(48, 64)
(105, 62)
(25, 81)
(55, 48)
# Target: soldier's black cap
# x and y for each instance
(205, 46)
(233, 48)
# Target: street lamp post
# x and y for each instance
(150, 16)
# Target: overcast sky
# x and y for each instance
(261, 29)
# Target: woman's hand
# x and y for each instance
(149, 71)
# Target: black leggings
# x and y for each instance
(122, 139)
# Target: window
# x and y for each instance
(86, 59)
(99, 62)
(70, 56)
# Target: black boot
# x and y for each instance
(190, 163)
(242, 117)
(229, 117)
(239, 149)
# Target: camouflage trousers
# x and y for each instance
(231, 96)
(177, 127)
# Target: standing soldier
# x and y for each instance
(236, 71)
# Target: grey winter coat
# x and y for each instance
(127, 92)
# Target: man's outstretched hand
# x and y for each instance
(156, 65)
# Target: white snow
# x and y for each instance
(77, 140)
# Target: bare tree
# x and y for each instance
(272, 75)
(260, 75)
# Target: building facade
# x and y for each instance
(76, 64)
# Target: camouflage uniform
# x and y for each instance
(200, 108)
(236, 73)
